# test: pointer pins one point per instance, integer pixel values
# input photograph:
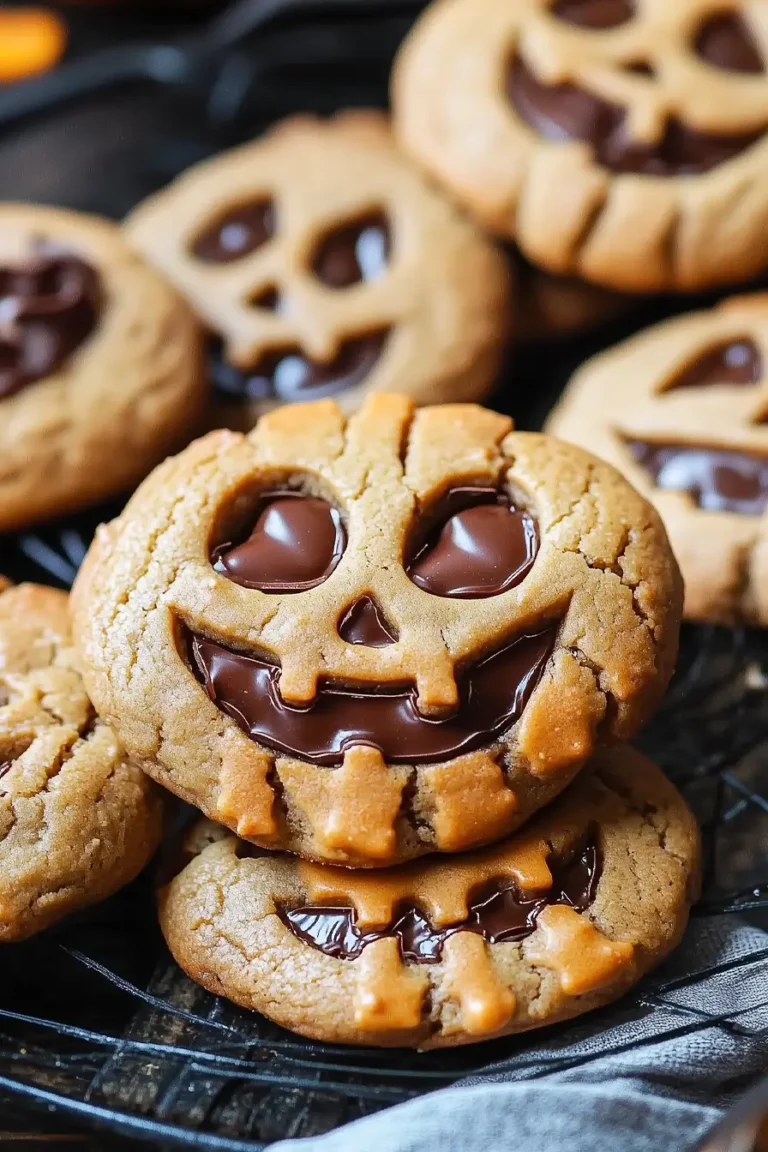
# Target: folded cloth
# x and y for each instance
(650, 1075)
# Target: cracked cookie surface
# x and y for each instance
(561, 918)
(322, 263)
(101, 369)
(623, 143)
(680, 409)
(77, 822)
(476, 610)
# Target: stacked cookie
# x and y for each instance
(354, 642)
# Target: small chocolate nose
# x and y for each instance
(365, 623)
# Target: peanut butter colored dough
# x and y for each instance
(218, 915)
(77, 822)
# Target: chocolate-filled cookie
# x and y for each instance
(77, 821)
(323, 264)
(100, 364)
(626, 143)
(365, 640)
(561, 918)
(681, 410)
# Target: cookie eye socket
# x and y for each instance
(478, 545)
(295, 544)
(733, 362)
(594, 13)
(364, 623)
(354, 252)
(236, 234)
(725, 42)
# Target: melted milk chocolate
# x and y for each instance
(497, 912)
(719, 479)
(567, 112)
(297, 542)
(734, 362)
(48, 308)
(493, 695)
(594, 13)
(365, 623)
(725, 41)
(353, 253)
(236, 234)
(290, 376)
(481, 547)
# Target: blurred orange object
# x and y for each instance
(31, 40)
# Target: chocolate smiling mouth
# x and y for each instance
(290, 376)
(718, 479)
(492, 694)
(497, 912)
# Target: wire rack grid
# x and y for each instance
(96, 1022)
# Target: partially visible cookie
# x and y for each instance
(323, 264)
(365, 640)
(550, 306)
(562, 918)
(101, 372)
(623, 143)
(76, 820)
(681, 410)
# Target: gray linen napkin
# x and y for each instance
(650, 1075)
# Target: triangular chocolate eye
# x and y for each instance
(733, 362)
(726, 42)
(365, 623)
(594, 13)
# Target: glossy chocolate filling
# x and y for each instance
(236, 234)
(481, 546)
(296, 544)
(290, 376)
(492, 695)
(719, 479)
(48, 307)
(594, 13)
(354, 252)
(566, 112)
(365, 623)
(733, 362)
(5, 767)
(498, 911)
(726, 42)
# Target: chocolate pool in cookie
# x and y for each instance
(624, 141)
(369, 639)
(561, 918)
(324, 265)
(681, 409)
(100, 370)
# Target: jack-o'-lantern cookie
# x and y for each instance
(100, 364)
(681, 410)
(324, 265)
(623, 141)
(76, 820)
(561, 918)
(367, 640)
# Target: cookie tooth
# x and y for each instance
(246, 800)
(388, 996)
(584, 959)
(486, 1004)
(558, 727)
(473, 804)
(352, 809)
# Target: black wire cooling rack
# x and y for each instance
(96, 1022)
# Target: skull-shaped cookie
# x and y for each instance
(680, 409)
(101, 372)
(77, 821)
(324, 265)
(625, 142)
(366, 640)
(557, 920)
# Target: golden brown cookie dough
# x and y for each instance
(393, 712)
(625, 143)
(680, 409)
(326, 265)
(562, 918)
(76, 820)
(100, 364)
